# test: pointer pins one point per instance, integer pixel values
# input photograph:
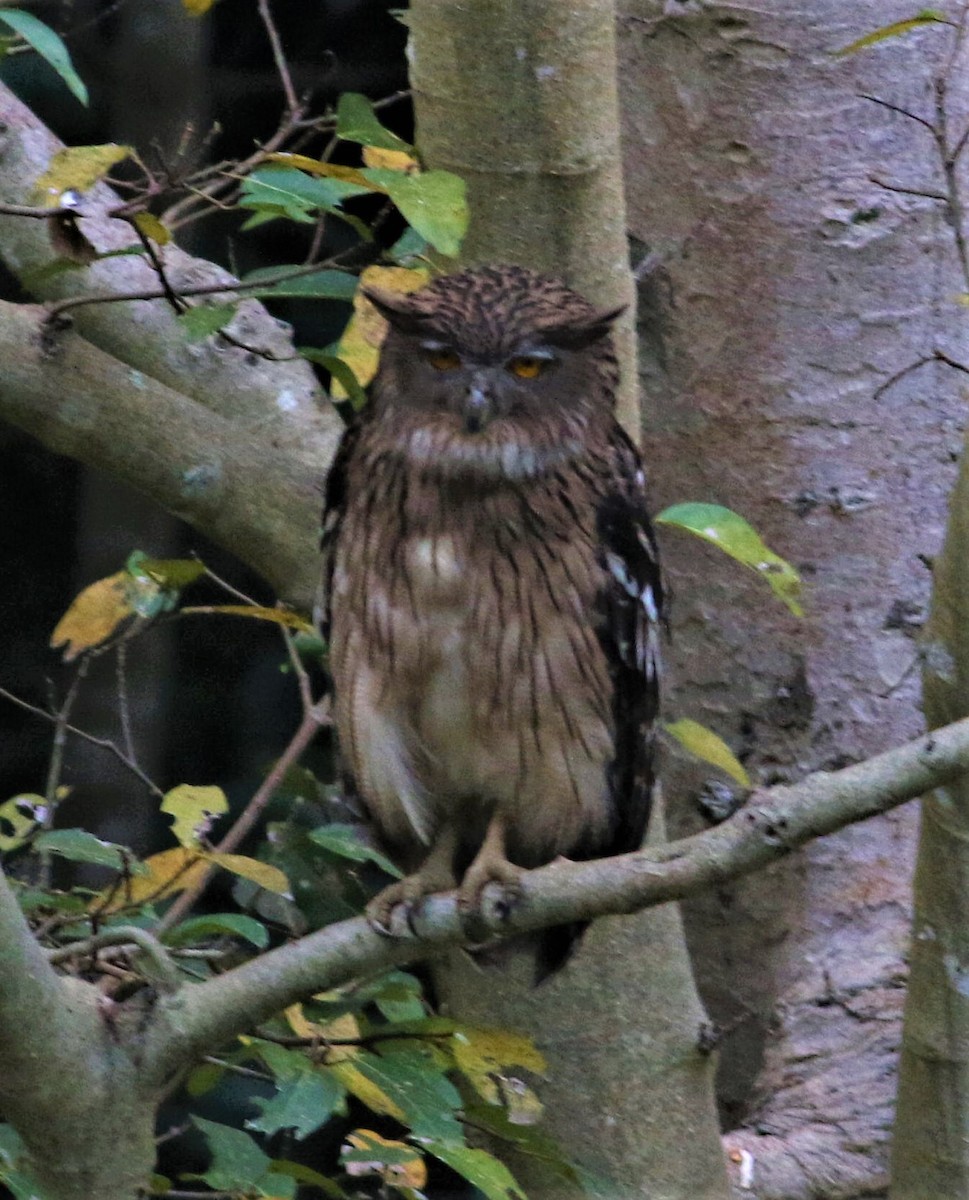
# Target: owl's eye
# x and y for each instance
(528, 366)
(441, 358)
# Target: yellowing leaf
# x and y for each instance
(278, 616)
(928, 16)
(734, 536)
(399, 1165)
(313, 166)
(197, 8)
(193, 809)
(359, 347)
(393, 160)
(169, 872)
(77, 168)
(149, 226)
(93, 616)
(20, 816)
(365, 1090)
(704, 743)
(259, 873)
(485, 1055)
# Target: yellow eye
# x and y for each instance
(442, 359)
(527, 366)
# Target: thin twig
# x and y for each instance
(124, 710)
(209, 289)
(282, 67)
(897, 108)
(936, 356)
(909, 191)
(313, 720)
(103, 743)
(165, 973)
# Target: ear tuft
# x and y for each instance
(577, 334)
(397, 308)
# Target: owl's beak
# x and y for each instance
(478, 408)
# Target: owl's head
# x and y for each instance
(492, 358)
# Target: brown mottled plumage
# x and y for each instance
(493, 595)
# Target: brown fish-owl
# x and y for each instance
(492, 593)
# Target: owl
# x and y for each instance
(492, 593)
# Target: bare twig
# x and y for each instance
(103, 743)
(313, 720)
(282, 67)
(55, 311)
(165, 972)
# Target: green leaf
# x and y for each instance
(479, 1167)
(48, 45)
(78, 845)
(408, 247)
(320, 285)
(344, 841)
(15, 1175)
(302, 1104)
(341, 371)
(704, 743)
(285, 192)
(356, 121)
(198, 929)
(726, 529)
(238, 1165)
(412, 1077)
(172, 573)
(203, 320)
(928, 16)
(433, 202)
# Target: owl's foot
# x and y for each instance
(436, 874)
(490, 865)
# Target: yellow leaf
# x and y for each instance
(407, 1170)
(365, 1090)
(193, 809)
(313, 166)
(359, 347)
(169, 872)
(19, 816)
(77, 168)
(279, 616)
(260, 873)
(93, 616)
(703, 743)
(149, 226)
(197, 8)
(393, 160)
(484, 1056)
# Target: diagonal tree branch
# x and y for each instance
(223, 476)
(774, 822)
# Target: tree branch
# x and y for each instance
(222, 476)
(282, 395)
(774, 822)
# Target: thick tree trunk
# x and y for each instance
(629, 1085)
(792, 285)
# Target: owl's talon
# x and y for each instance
(410, 894)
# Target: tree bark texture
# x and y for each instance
(791, 286)
(930, 1149)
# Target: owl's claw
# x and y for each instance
(487, 868)
(410, 894)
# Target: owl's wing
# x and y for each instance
(632, 614)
